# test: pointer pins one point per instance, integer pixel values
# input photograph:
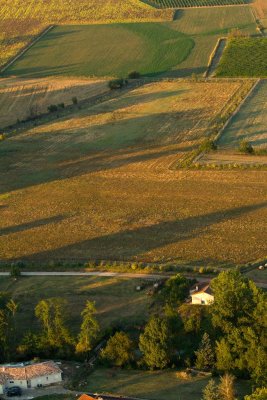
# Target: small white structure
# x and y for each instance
(202, 294)
(29, 376)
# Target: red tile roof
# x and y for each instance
(27, 372)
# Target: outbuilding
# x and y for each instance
(202, 294)
(30, 375)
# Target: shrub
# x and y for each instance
(116, 84)
(2, 137)
(208, 145)
(134, 75)
(74, 100)
(52, 108)
(15, 271)
(61, 105)
(246, 147)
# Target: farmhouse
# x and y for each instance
(202, 294)
(29, 376)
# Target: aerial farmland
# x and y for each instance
(133, 180)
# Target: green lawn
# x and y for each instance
(151, 385)
(105, 50)
(116, 300)
(244, 57)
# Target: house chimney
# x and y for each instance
(196, 287)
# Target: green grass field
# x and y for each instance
(177, 48)
(152, 385)
(117, 301)
(105, 50)
(244, 57)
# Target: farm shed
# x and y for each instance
(202, 294)
(29, 376)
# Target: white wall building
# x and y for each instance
(29, 376)
(202, 294)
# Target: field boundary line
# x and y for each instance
(221, 131)
(26, 48)
(213, 55)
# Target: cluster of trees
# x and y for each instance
(227, 337)
(53, 337)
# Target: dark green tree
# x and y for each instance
(89, 328)
(119, 350)
(8, 310)
(154, 343)
(239, 312)
(205, 358)
(175, 291)
(259, 394)
(55, 336)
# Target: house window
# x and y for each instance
(47, 378)
(202, 301)
(11, 381)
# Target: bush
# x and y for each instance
(245, 147)
(208, 145)
(74, 100)
(15, 271)
(52, 108)
(134, 75)
(2, 137)
(117, 84)
(61, 105)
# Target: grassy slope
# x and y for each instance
(152, 385)
(116, 300)
(205, 27)
(244, 57)
(105, 50)
(21, 20)
(250, 122)
(98, 185)
(150, 48)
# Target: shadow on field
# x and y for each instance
(131, 243)
(71, 152)
(30, 225)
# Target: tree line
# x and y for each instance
(227, 337)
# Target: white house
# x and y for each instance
(29, 376)
(202, 294)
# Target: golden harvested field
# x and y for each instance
(22, 20)
(99, 184)
(23, 98)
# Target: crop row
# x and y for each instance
(194, 3)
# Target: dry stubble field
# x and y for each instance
(23, 98)
(98, 184)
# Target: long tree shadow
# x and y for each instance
(130, 243)
(33, 224)
(46, 156)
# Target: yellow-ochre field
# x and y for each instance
(22, 99)
(22, 20)
(102, 184)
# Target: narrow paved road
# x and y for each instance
(262, 284)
